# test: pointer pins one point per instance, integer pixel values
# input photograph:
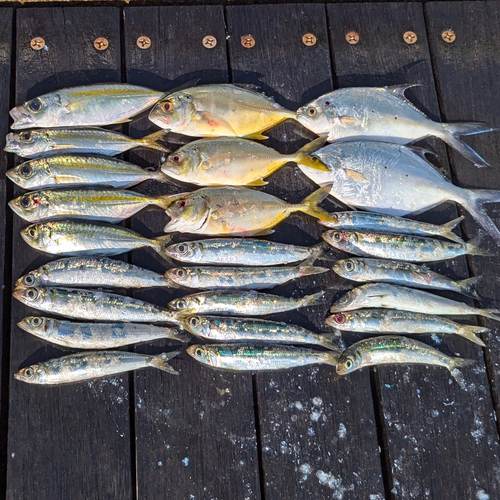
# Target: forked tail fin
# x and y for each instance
(309, 204)
(330, 341)
(150, 141)
(470, 333)
(455, 364)
(447, 230)
(473, 202)
(468, 287)
(160, 361)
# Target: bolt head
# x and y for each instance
(101, 43)
(352, 37)
(37, 43)
(410, 37)
(248, 41)
(144, 42)
(448, 36)
(309, 39)
(209, 42)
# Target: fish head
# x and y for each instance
(36, 325)
(204, 354)
(184, 251)
(338, 319)
(187, 305)
(197, 325)
(184, 276)
(30, 173)
(43, 111)
(31, 206)
(34, 374)
(188, 213)
(316, 115)
(340, 239)
(37, 235)
(345, 300)
(182, 162)
(174, 112)
(28, 143)
(349, 361)
(33, 297)
(349, 268)
(31, 279)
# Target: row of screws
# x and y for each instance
(410, 37)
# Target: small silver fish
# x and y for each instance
(394, 349)
(250, 357)
(96, 335)
(89, 365)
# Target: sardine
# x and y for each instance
(394, 349)
(384, 114)
(96, 335)
(88, 365)
(89, 304)
(393, 321)
(402, 273)
(405, 299)
(43, 142)
(241, 303)
(250, 357)
(218, 110)
(80, 170)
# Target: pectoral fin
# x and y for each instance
(355, 176)
(349, 121)
(220, 126)
(256, 136)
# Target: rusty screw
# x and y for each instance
(248, 41)
(101, 43)
(209, 42)
(352, 37)
(309, 39)
(410, 37)
(448, 36)
(37, 43)
(144, 42)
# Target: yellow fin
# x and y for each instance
(356, 176)
(309, 204)
(313, 146)
(150, 141)
(310, 161)
(264, 232)
(257, 136)
(259, 182)
(348, 120)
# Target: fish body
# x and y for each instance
(393, 321)
(241, 303)
(218, 110)
(87, 105)
(88, 304)
(405, 299)
(89, 365)
(249, 278)
(79, 170)
(396, 181)
(74, 238)
(384, 114)
(250, 357)
(96, 335)
(402, 273)
(92, 272)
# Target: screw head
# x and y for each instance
(410, 37)
(37, 43)
(144, 42)
(209, 42)
(101, 43)
(248, 41)
(448, 36)
(352, 37)
(309, 39)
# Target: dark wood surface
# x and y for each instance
(386, 433)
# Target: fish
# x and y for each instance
(398, 180)
(248, 278)
(233, 162)
(393, 321)
(89, 365)
(79, 303)
(92, 272)
(241, 303)
(228, 329)
(405, 299)
(73, 238)
(96, 335)
(243, 252)
(256, 358)
(383, 114)
(405, 247)
(98, 104)
(43, 142)
(236, 211)
(80, 170)
(367, 221)
(218, 110)
(107, 205)
(403, 273)
(394, 349)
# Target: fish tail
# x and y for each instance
(160, 361)
(158, 175)
(470, 333)
(330, 341)
(488, 313)
(468, 287)
(304, 157)
(313, 300)
(309, 204)
(318, 253)
(150, 141)
(159, 245)
(447, 229)
(473, 200)
(331, 357)
(182, 336)
(166, 200)
(452, 133)
(310, 270)
(455, 364)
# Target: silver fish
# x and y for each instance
(394, 349)
(393, 321)
(88, 304)
(384, 114)
(402, 273)
(89, 365)
(250, 357)
(96, 335)
(405, 299)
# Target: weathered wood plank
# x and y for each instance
(317, 430)
(429, 421)
(69, 441)
(196, 432)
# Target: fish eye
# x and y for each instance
(181, 273)
(327, 103)
(26, 136)
(182, 248)
(198, 351)
(36, 321)
(167, 106)
(339, 319)
(194, 321)
(176, 158)
(29, 280)
(344, 298)
(25, 202)
(35, 105)
(32, 232)
(26, 170)
(181, 304)
(311, 111)
(32, 294)
(337, 236)
(182, 203)
(349, 265)
(29, 372)
(348, 364)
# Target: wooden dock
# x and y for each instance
(393, 432)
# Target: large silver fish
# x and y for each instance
(396, 181)
(98, 104)
(384, 114)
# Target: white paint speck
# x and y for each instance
(482, 495)
(478, 432)
(160, 463)
(315, 415)
(317, 401)
(12, 455)
(185, 461)
(334, 483)
(341, 433)
(305, 469)
(299, 405)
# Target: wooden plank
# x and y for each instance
(70, 441)
(429, 421)
(196, 432)
(317, 430)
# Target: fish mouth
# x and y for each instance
(11, 145)
(160, 120)
(16, 208)
(21, 118)
(18, 376)
(15, 177)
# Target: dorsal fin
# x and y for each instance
(399, 92)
